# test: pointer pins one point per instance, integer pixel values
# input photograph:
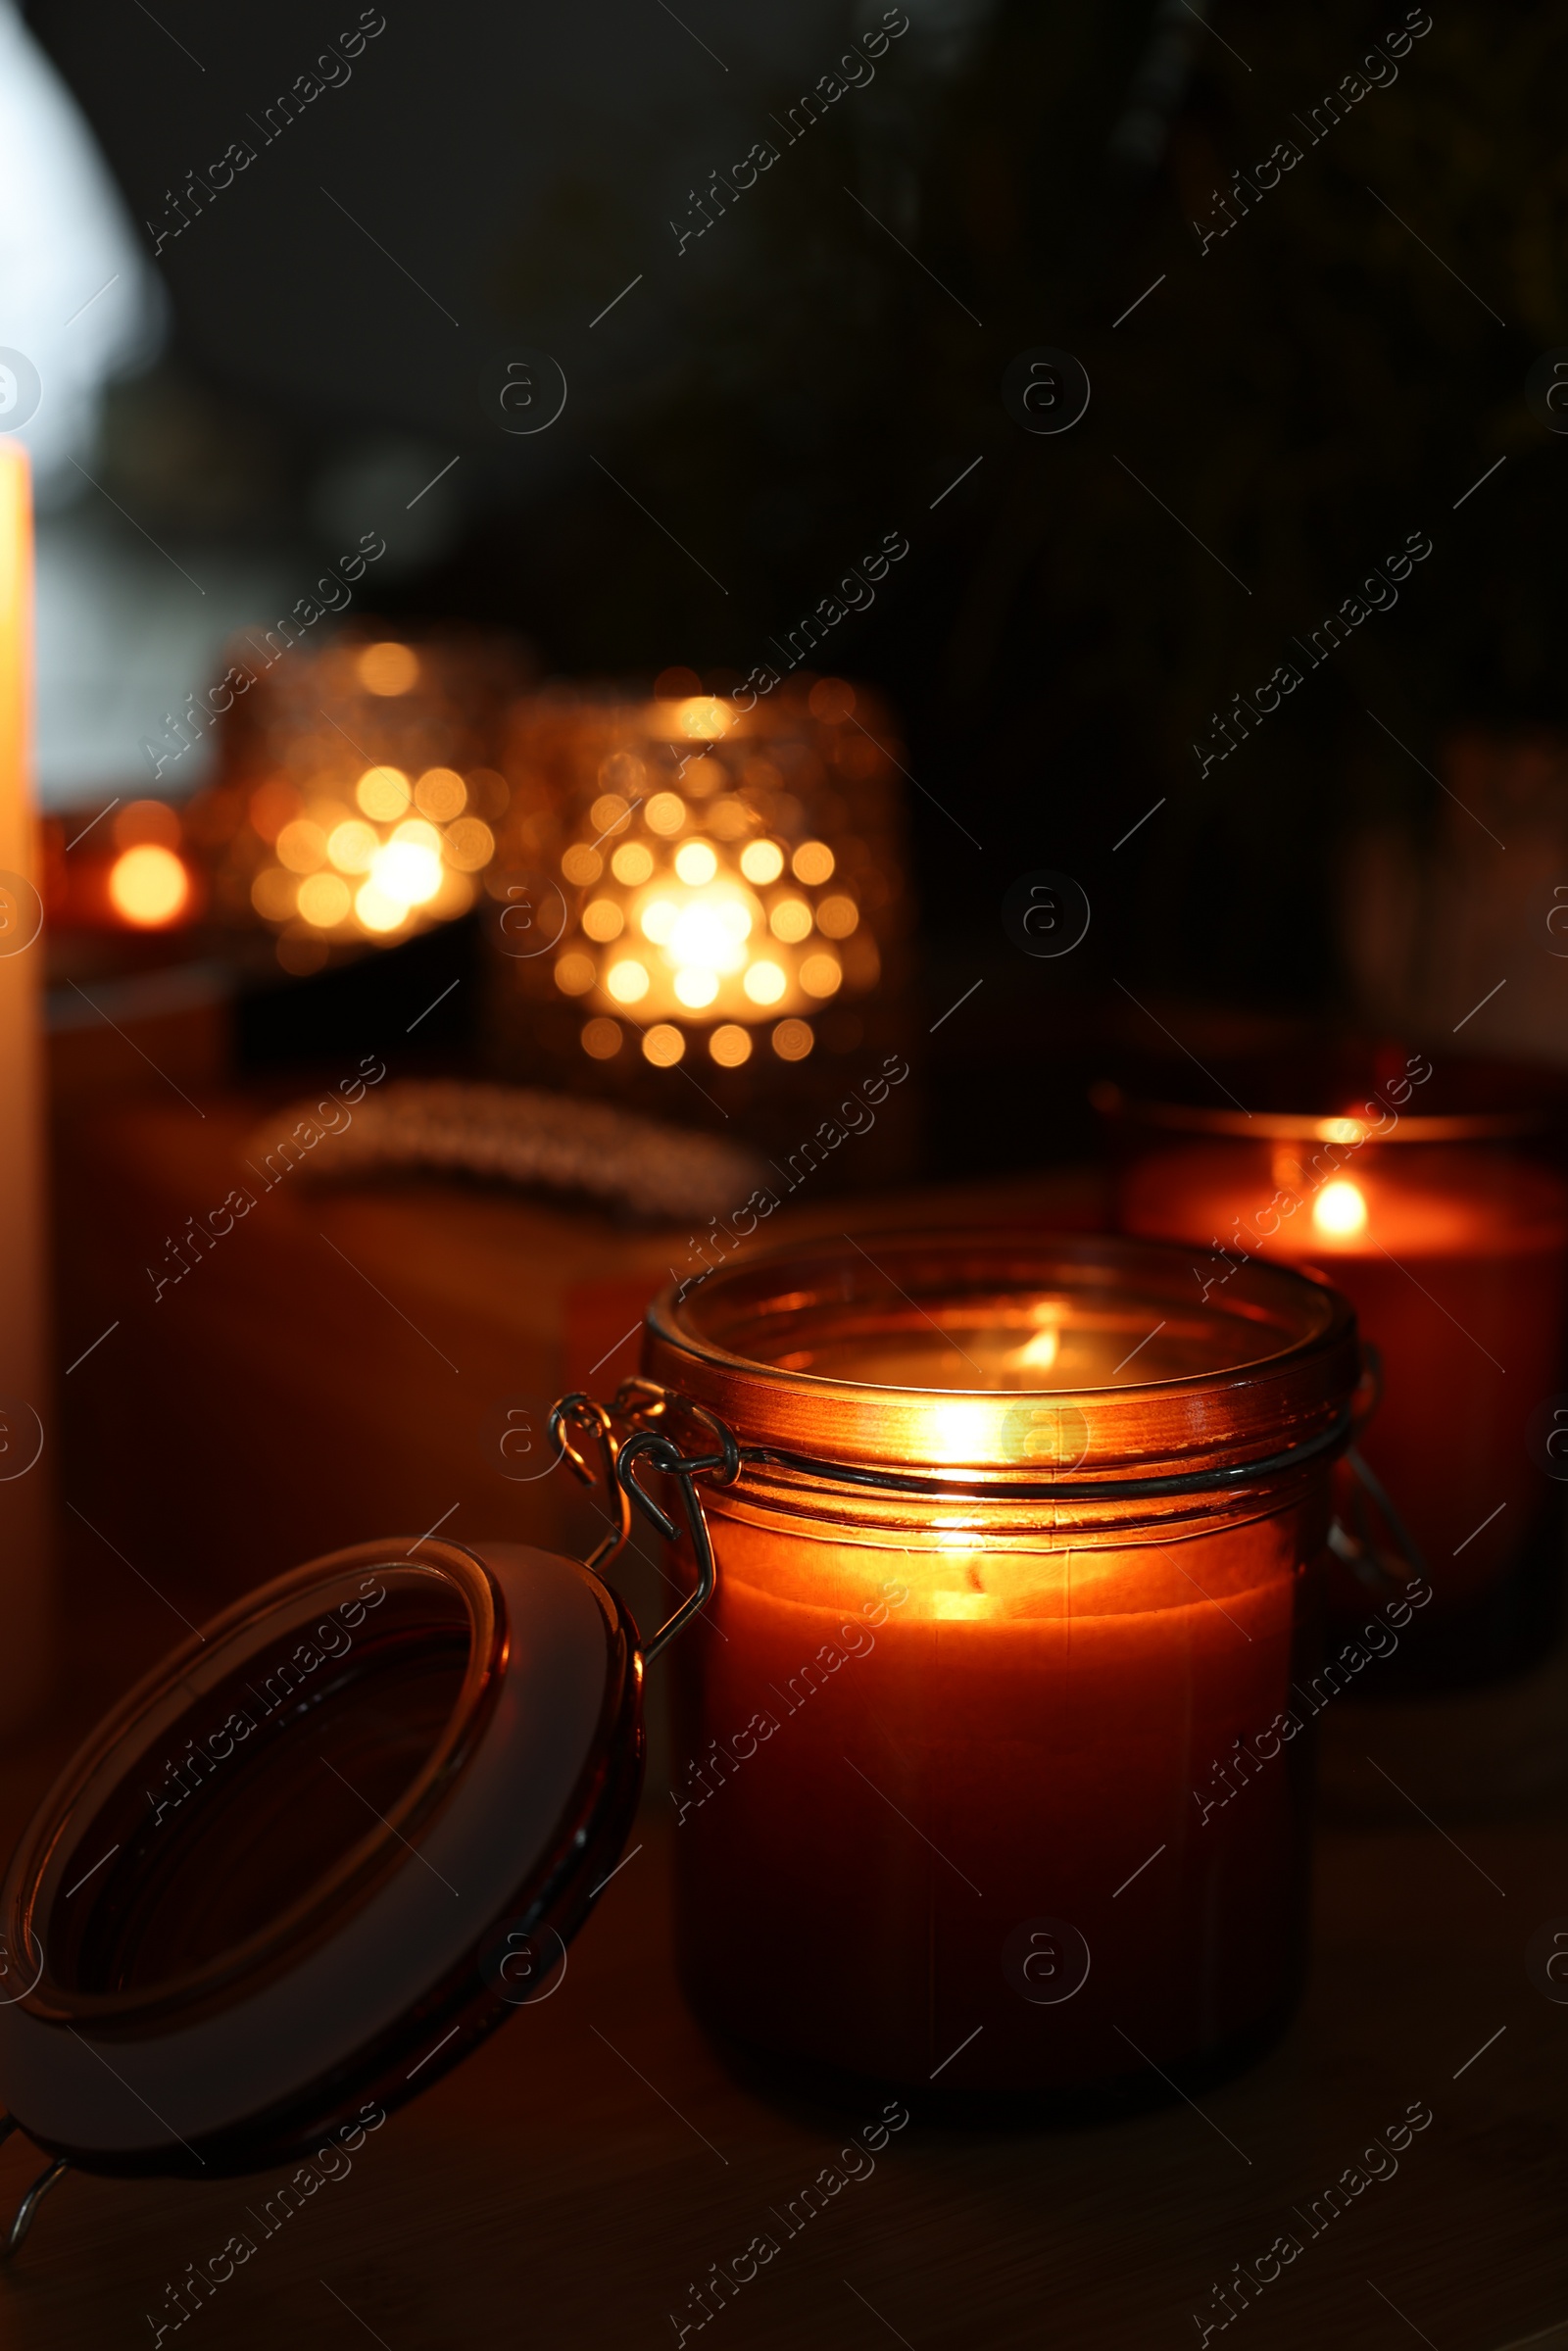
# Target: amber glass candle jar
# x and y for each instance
(1436, 1199)
(1023, 1554)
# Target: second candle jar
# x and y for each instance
(1436, 1199)
(993, 1756)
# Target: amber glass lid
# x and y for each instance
(316, 1855)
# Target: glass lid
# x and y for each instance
(316, 1855)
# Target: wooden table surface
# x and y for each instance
(572, 2182)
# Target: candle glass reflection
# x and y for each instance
(1434, 1202)
(1014, 1574)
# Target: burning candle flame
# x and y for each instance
(1340, 1209)
(1038, 1353)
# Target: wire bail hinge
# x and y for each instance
(578, 1416)
(653, 1445)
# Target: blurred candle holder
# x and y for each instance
(1026, 1537)
(1435, 1198)
(354, 804)
(365, 785)
(129, 867)
(680, 881)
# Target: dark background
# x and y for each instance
(1327, 379)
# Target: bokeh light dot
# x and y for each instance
(388, 667)
(148, 886)
(730, 1045)
(663, 1046)
(383, 793)
(792, 1040)
(602, 1038)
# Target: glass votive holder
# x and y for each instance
(685, 883)
(358, 792)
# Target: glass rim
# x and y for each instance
(1479, 1098)
(1252, 1408)
(1279, 1126)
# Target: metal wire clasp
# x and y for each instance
(579, 1412)
(1360, 1550)
(12, 2238)
(645, 1402)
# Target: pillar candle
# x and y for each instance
(26, 1412)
